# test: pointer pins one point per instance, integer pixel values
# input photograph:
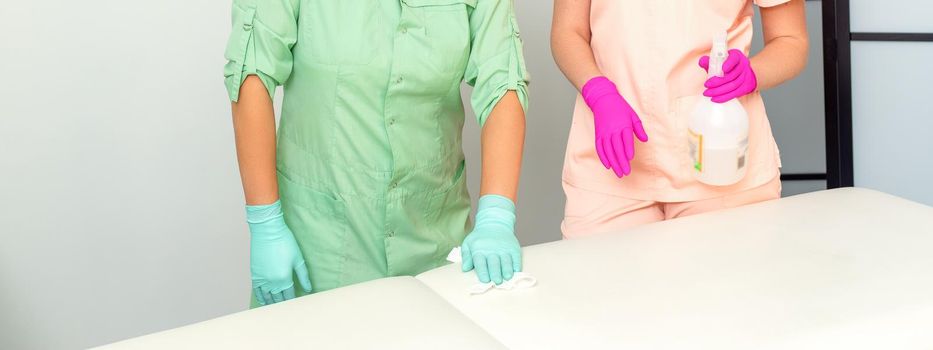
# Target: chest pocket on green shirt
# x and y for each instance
(447, 29)
(343, 32)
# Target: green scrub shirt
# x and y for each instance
(370, 163)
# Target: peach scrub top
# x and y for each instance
(650, 50)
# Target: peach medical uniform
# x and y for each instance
(650, 49)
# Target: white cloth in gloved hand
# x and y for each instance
(520, 280)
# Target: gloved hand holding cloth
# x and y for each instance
(492, 248)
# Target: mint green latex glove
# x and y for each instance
(492, 248)
(274, 255)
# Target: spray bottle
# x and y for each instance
(718, 132)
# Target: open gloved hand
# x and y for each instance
(274, 255)
(737, 80)
(615, 122)
(492, 248)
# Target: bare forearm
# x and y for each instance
(786, 44)
(254, 126)
(570, 41)
(574, 56)
(780, 60)
(503, 141)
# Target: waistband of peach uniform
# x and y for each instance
(694, 192)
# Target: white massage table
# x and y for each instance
(847, 268)
(390, 313)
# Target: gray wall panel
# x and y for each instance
(891, 119)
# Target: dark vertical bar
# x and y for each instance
(830, 83)
(838, 86)
(844, 57)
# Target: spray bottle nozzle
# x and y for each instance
(718, 54)
(721, 42)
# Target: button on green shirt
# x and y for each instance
(369, 146)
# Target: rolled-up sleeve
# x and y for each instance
(496, 64)
(264, 32)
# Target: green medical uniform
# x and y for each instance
(370, 163)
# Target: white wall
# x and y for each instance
(120, 203)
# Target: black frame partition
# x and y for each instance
(837, 80)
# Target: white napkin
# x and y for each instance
(520, 280)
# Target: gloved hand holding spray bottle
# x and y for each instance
(718, 126)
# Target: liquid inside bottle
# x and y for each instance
(718, 132)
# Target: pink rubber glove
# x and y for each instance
(738, 78)
(615, 122)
